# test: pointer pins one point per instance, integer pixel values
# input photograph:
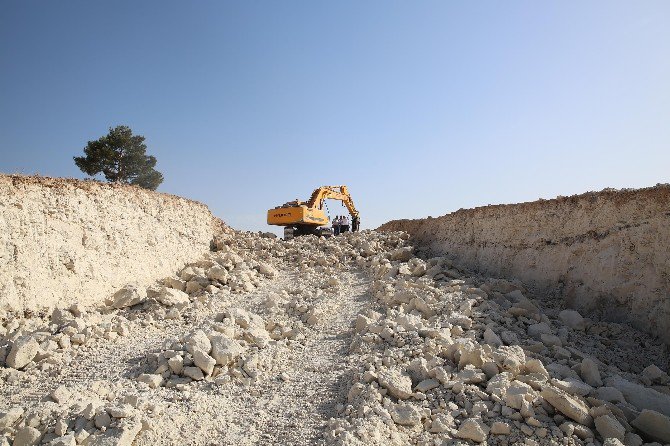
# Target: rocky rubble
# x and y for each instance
(446, 357)
(48, 343)
(435, 356)
(228, 351)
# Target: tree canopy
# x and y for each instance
(121, 157)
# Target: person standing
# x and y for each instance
(345, 224)
(336, 225)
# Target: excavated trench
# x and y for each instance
(348, 340)
(360, 339)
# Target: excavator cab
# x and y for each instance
(304, 218)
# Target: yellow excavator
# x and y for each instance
(303, 218)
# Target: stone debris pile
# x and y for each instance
(228, 351)
(446, 357)
(432, 355)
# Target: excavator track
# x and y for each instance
(290, 232)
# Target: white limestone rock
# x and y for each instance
(500, 428)
(10, 417)
(517, 394)
(535, 366)
(499, 384)
(569, 406)
(590, 373)
(64, 440)
(205, 362)
(198, 340)
(609, 394)
(405, 414)
(123, 435)
(572, 319)
(171, 296)
(257, 335)
(573, 386)
(491, 338)
(218, 273)
(426, 385)
(397, 382)
(195, 373)
(613, 442)
(609, 427)
(22, 353)
(152, 380)
(640, 396)
(176, 364)
(267, 270)
(653, 424)
(443, 422)
(471, 353)
(27, 436)
(61, 394)
(510, 358)
(225, 350)
(473, 429)
(128, 296)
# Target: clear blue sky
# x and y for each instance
(421, 108)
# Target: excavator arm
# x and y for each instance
(335, 193)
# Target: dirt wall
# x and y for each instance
(605, 253)
(64, 241)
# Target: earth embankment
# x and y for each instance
(605, 253)
(64, 241)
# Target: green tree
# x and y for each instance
(121, 157)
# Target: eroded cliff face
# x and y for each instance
(64, 241)
(605, 253)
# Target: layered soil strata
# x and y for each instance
(604, 253)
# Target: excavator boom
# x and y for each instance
(333, 193)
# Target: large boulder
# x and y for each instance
(27, 436)
(10, 417)
(473, 429)
(198, 340)
(23, 351)
(609, 427)
(653, 424)
(402, 254)
(205, 362)
(128, 296)
(640, 396)
(172, 296)
(590, 373)
(397, 382)
(572, 319)
(225, 350)
(405, 414)
(569, 406)
(218, 273)
(267, 270)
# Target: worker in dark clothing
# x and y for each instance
(336, 225)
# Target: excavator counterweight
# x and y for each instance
(302, 218)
